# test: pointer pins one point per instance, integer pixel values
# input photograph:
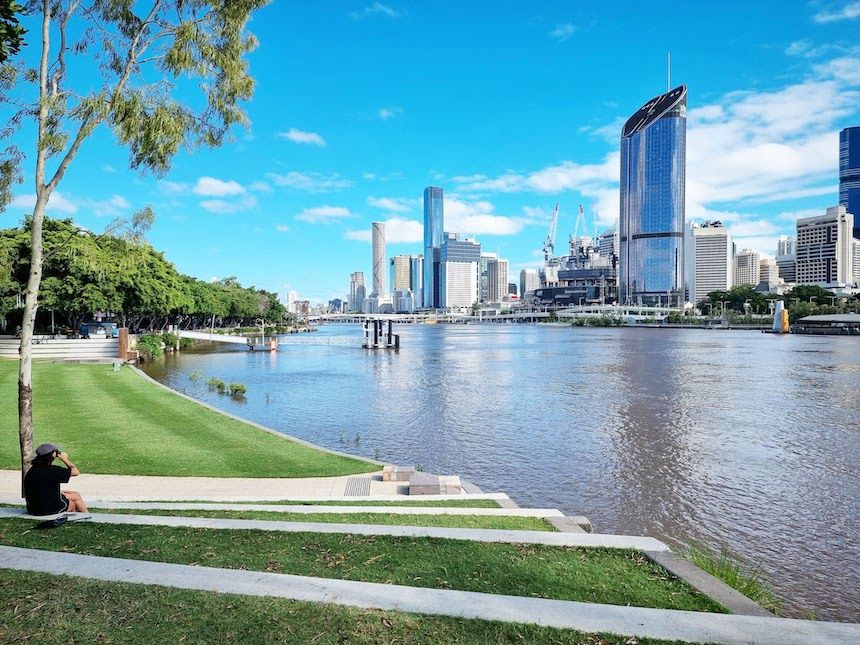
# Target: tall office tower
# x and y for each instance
(856, 254)
(529, 281)
(456, 250)
(357, 292)
(379, 267)
(747, 266)
(825, 248)
(768, 271)
(434, 216)
(458, 284)
(401, 272)
(787, 245)
(497, 279)
(607, 243)
(849, 174)
(653, 179)
(417, 279)
(710, 256)
(483, 276)
(785, 265)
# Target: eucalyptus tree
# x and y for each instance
(144, 52)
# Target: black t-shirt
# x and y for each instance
(42, 489)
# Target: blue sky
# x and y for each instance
(509, 106)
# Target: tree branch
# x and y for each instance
(61, 53)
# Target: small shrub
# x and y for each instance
(150, 346)
(196, 376)
(170, 340)
(185, 343)
(216, 383)
(237, 389)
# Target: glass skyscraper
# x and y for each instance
(433, 222)
(651, 222)
(849, 174)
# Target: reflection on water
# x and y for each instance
(737, 438)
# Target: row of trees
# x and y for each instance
(802, 300)
(122, 275)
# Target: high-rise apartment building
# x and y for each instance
(401, 272)
(825, 248)
(607, 244)
(417, 280)
(497, 279)
(768, 271)
(709, 255)
(434, 215)
(529, 281)
(458, 285)
(747, 267)
(483, 276)
(357, 291)
(849, 174)
(786, 245)
(856, 254)
(379, 266)
(651, 223)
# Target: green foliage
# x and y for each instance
(237, 389)
(598, 321)
(11, 32)
(150, 346)
(196, 376)
(553, 317)
(728, 568)
(735, 299)
(185, 343)
(216, 383)
(170, 340)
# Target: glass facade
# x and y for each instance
(651, 222)
(433, 222)
(849, 174)
(456, 250)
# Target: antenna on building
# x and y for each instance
(668, 71)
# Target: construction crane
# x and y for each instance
(549, 245)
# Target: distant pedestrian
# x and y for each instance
(17, 331)
(42, 484)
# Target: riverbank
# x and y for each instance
(122, 423)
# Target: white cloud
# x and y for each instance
(112, 207)
(282, 228)
(397, 231)
(563, 31)
(57, 203)
(389, 112)
(479, 218)
(324, 214)
(394, 204)
(260, 187)
(299, 136)
(224, 207)
(108, 168)
(848, 11)
(212, 187)
(173, 187)
(376, 8)
(311, 182)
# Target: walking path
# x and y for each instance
(477, 535)
(233, 489)
(627, 621)
(317, 509)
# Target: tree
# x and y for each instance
(11, 32)
(126, 43)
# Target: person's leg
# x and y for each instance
(76, 502)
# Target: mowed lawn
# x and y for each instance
(120, 423)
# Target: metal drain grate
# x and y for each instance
(356, 486)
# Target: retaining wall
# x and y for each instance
(63, 348)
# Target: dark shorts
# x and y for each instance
(65, 504)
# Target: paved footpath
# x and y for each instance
(477, 535)
(628, 621)
(230, 489)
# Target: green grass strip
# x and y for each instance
(450, 521)
(750, 581)
(444, 503)
(120, 423)
(51, 609)
(612, 576)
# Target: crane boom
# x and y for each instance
(549, 245)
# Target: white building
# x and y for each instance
(403, 301)
(747, 266)
(768, 271)
(787, 245)
(379, 266)
(709, 260)
(357, 291)
(856, 245)
(825, 249)
(529, 281)
(458, 284)
(497, 280)
(417, 280)
(401, 272)
(607, 244)
(483, 276)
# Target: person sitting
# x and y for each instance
(42, 484)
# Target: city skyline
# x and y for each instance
(526, 111)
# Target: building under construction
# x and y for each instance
(586, 275)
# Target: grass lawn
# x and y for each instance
(119, 423)
(414, 501)
(612, 576)
(450, 521)
(43, 608)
